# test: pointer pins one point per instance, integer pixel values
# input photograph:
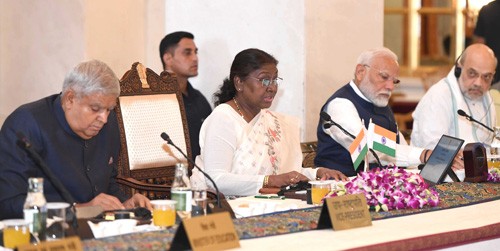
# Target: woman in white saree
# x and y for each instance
(244, 146)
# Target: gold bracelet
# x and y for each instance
(266, 181)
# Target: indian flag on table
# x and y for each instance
(382, 140)
(358, 148)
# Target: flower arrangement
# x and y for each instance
(494, 175)
(390, 188)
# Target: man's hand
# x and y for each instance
(106, 201)
(458, 161)
(326, 174)
(138, 200)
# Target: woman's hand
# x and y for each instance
(285, 179)
(326, 174)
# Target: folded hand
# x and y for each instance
(286, 179)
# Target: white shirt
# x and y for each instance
(344, 113)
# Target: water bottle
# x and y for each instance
(35, 209)
(181, 192)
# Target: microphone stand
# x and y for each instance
(330, 122)
(470, 118)
(165, 137)
(25, 144)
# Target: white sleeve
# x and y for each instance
(218, 141)
(432, 117)
(344, 113)
(407, 155)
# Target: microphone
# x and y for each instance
(165, 137)
(329, 122)
(470, 118)
(326, 117)
(25, 144)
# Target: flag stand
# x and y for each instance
(366, 164)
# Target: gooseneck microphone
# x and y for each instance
(25, 144)
(165, 137)
(329, 122)
(470, 118)
(326, 117)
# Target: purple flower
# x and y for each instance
(494, 175)
(391, 188)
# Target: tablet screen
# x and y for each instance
(441, 159)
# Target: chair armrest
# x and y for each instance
(136, 184)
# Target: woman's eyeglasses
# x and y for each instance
(266, 82)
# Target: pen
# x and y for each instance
(272, 197)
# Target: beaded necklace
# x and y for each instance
(238, 108)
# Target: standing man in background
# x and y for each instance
(179, 55)
(487, 32)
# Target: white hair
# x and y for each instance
(91, 77)
(366, 57)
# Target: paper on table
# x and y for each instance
(249, 206)
(111, 228)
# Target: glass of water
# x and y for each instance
(199, 202)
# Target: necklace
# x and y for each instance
(238, 107)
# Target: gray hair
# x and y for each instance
(91, 77)
(366, 57)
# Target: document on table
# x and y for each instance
(264, 204)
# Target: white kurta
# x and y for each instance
(344, 113)
(237, 160)
(436, 114)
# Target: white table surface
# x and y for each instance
(387, 230)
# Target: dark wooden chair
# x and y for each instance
(308, 153)
(148, 105)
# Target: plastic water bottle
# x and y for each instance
(181, 192)
(35, 209)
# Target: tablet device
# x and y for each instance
(441, 159)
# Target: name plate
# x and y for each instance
(69, 243)
(211, 232)
(345, 212)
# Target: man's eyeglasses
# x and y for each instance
(384, 75)
(266, 82)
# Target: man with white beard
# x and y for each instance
(464, 88)
(364, 98)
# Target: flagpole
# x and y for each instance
(367, 164)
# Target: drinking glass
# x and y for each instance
(163, 213)
(16, 233)
(199, 202)
(319, 189)
(56, 220)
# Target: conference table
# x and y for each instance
(468, 214)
